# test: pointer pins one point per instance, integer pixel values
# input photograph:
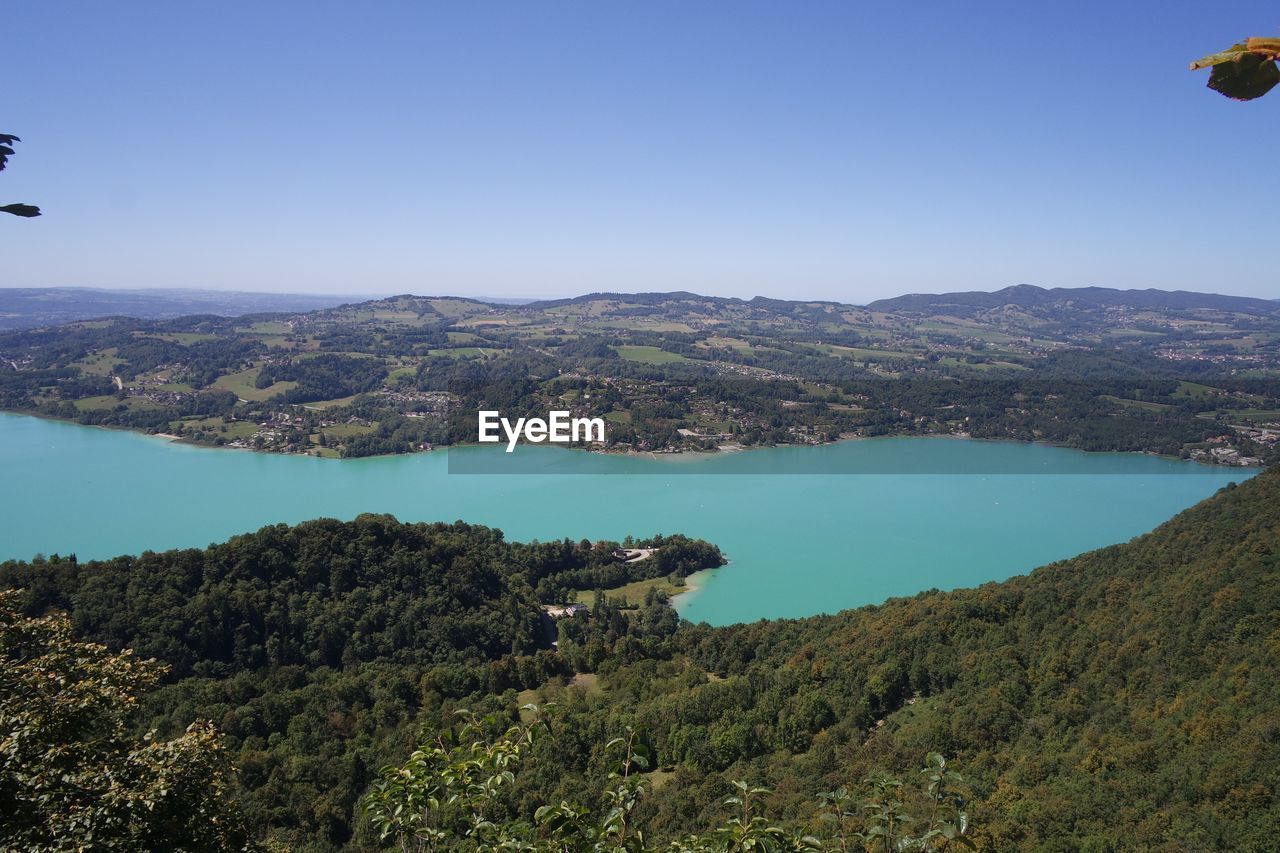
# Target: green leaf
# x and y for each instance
(1229, 55)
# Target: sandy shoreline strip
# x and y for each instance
(693, 583)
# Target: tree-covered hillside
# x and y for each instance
(316, 648)
(1069, 299)
(1121, 700)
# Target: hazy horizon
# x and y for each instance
(515, 151)
(482, 297)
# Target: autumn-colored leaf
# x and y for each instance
(1244, 71)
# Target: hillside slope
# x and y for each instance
(316, 648)
(973, 302)
(1123, 699)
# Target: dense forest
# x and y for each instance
(1123, 699)
(315, 648)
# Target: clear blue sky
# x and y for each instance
(839, 150)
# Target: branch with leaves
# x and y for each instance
(446, 795)
(6, 149)
(443, 794)
(72, 775)
(1244, 71)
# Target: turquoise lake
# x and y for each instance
(937, 513)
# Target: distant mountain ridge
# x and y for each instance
(660, 297)
(963, 302)
(22, 308)
(30, 307)
(968, 303)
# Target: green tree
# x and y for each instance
(448, 796)
(72, 777)
(444, 795)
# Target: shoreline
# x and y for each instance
(688, 602)
(671, 457)
(694, 584)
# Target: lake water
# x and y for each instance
(939, 513)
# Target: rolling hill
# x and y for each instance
(29, 307)
(972, 303)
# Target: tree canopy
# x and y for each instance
(73, 776)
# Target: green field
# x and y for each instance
(109, 401)
(633, 593)
(230, 431)
(961, 329)
(463, 337)
(952, 361)
(646, 325)
(648, 355)
(184, 338)
(1137, 404)
(863, 354)
(1259, 415)
(105, 401)
(347, 430)
(1195, 391)
(273, 327)
(98, 363)
(1132, 333)
(730, 343)
(455, 308)
(241, 384)
(327, 404)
